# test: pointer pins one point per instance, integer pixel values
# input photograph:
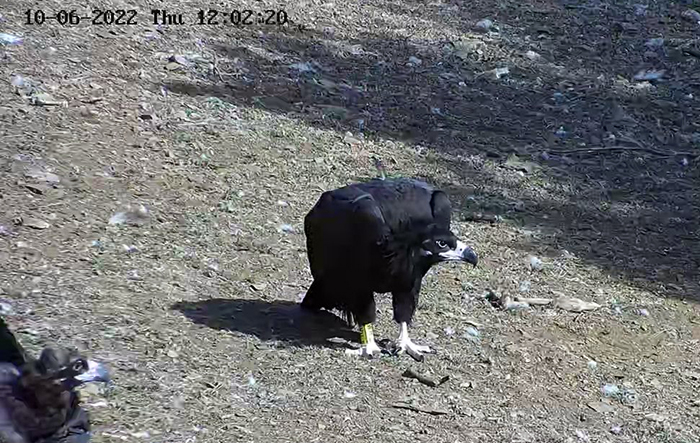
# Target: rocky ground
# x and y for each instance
(155, 180)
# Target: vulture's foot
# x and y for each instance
(367, 350)
(368, 346)
(405, 344)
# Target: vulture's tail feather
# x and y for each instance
(314, 297)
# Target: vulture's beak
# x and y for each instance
(95, 372)
(461, 252)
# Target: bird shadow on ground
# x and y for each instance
(282, 321)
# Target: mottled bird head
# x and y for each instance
(67, 366)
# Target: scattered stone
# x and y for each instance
(583, 436)
(643, 312)
(535, 263)
(654, 43)
(131, 217)
(130, 249)
(9, 39)
(626, 395)
(691, 15)
(348, 394)
(303, 67)
(649, 75)
(498, 72)
(45, 99)
(616, 429)
(350, 139)
(173, 353)
(472, 332)
(574, 304)
(449, 331)
(610, 390)
(414, 61)
(655, 417)
(18, 81)
(6, 309)
(515, 163)
(524, 286)
(558, 98)
(484, 25)
(287, 229)
(35, 223)
(592, 365)
(179, 59)
(532, 55)
(38, 174)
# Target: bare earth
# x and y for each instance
(229, 144)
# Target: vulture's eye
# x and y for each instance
(441, 244)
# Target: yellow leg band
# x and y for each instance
(366, 334)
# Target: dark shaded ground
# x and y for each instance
(630, 205)
(275, 321)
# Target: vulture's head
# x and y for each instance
(68, 366)
(58, 370)
(439, 245)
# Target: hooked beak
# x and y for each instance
(461, 252)
(95, 372)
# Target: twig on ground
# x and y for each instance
(410, 373)
(419, 409)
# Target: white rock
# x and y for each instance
(484, 25)
(414, 61)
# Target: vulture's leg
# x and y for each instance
(365, 313)
(404, 307)
(368, 346)
(406, 343)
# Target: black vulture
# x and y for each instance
(38, 403)
(378, 236)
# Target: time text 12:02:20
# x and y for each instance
(242, 17)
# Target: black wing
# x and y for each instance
(10, 350)
(345, 225)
